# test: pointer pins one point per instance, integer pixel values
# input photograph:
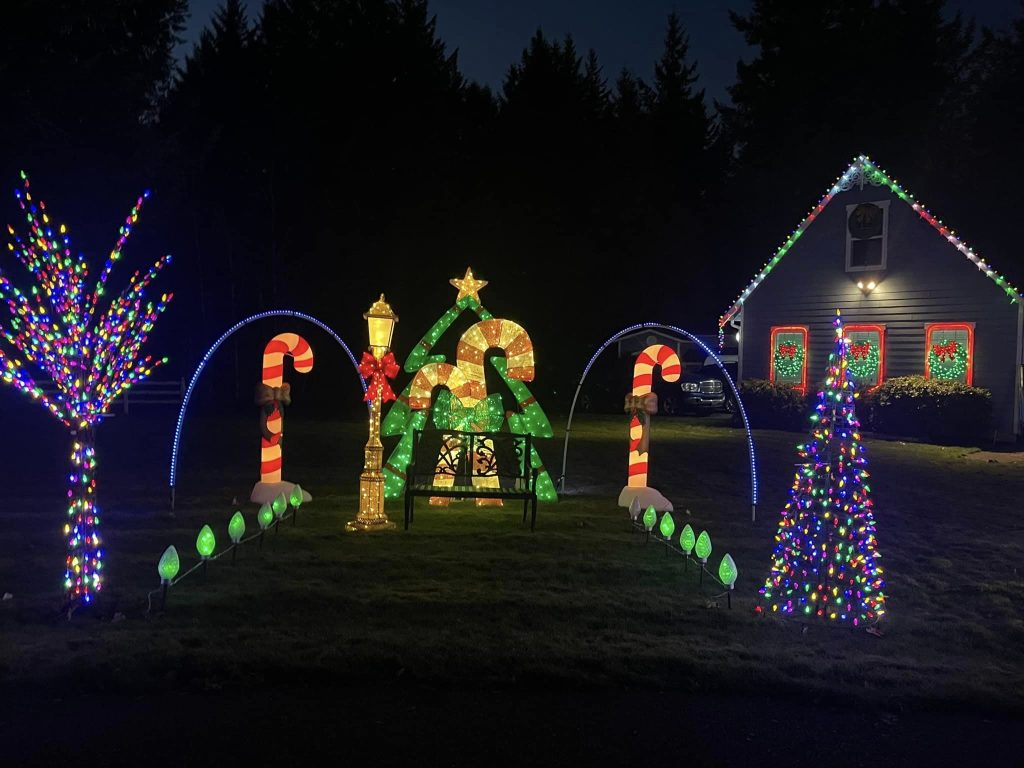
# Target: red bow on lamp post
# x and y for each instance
(377, 372)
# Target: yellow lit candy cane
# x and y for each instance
(515, 342)
(466, 382)
(642, 403)
(420, 391)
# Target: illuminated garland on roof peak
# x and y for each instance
(863, 167)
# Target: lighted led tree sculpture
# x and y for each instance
(92, 355)
(825, 562)
(466, 405)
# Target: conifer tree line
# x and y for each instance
(310, 153)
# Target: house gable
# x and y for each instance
(862, 175)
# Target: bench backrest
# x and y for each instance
(465, 455)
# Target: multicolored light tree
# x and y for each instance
(92, 356)
(825, 562)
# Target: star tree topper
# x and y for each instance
(468, 286)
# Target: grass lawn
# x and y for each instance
(468, 596)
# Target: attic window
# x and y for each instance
(867, 228)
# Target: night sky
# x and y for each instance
(491, 34)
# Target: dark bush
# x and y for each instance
(933, 410)
(867, 407)
(773, 406)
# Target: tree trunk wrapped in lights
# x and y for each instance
(92, 356)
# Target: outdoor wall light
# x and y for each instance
(868, 287)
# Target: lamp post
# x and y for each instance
(371, 517)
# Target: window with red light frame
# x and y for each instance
(788, 356)
(949, 352)
(865, 355)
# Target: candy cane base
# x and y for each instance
(265, 493)
(647, 496)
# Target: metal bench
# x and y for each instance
(471, 465)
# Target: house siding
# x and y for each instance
(926, 281)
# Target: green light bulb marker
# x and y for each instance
(169, 565)
(168, 568)
(727, 573)
(686, 542)
(279, 506)
(265, 517)
(236, 530)
(236, 527)
(295, 499)
(703, 550)
(206, 542)
(650, 518)
(667, 527)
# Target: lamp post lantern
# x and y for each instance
(378, 365)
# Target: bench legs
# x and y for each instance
(529, 506)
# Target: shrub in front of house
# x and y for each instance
(933, 410)
(773, 406)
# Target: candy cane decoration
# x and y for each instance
(466, 382)
(510, 337)
(642, 403)
(445, 375)
(515, 342)
(423, 383)
(273, 377)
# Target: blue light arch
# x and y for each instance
(732, 385)
(216, 345)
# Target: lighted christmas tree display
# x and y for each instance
(476, 410)
(825, 562)
(92, 355)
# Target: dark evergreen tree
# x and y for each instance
(682, 127)
(829, 81)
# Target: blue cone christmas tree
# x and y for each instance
(825, 562)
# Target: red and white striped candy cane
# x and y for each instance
(273, 376)
(643, 400)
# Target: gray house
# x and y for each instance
(915, 299)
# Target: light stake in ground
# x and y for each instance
(727, 574)
(168, 568)
(264, 517)
(236, 530)
(686, 543)
(825, 562)
(279, 506)
(667, 527)
(296, 500)
(92, 355)
(703, 550)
